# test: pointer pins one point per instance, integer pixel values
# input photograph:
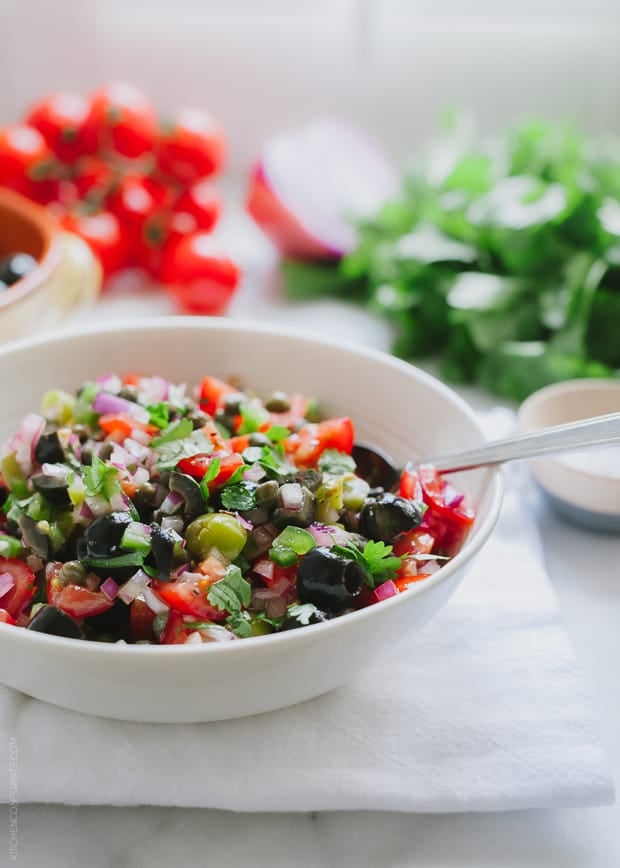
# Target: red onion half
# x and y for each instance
(310, 184)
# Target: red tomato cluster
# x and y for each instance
(138, 191)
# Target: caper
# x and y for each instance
(233, 401)
(267, 493)
(72, 573)
(218, 530)
(278, 402)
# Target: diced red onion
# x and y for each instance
(291, 496)
(136, 450)
(25, 440)
(254, 473)
(56, 471)
(171, 503)
(153, 389)
(130, 590)
(110, 382)
(142, 437)
(176, 394)
(141, 476)
(109, 588)
(311, 183)
(247, 525)
(264, 568)
(172, 522)
(97, 504)
(327, 534)
(153, 602)
(7, 583)
(105, 403)
(452, 497)
(194, 639)
(384, 592)
(275, 607)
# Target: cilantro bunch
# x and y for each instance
(502, 258)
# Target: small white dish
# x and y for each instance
(582, 487)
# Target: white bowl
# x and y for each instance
(583, 487)
(393, 404)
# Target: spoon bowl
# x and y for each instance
(379, 469)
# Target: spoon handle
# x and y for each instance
(561, 438)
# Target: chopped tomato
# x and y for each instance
(239, 443)
(197, 466)
(448, 519)
(188, 595)
(141, 620)
(5, 618)
(212, 394)
(17, 598)
(210, 430)
(403, 583)
(119, 426)
(410, 485)
(307, 445)
(413, 542)
(75, 600)
(175, 632)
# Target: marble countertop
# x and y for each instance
(585, 573)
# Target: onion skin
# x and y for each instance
(280, 225)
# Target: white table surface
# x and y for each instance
(585, 572)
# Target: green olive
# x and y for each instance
(215, 530)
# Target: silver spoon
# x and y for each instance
(375, 466)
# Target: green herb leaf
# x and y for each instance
(304, 612)
(211, 473)
(277, 433)
(101, 478)
(273, 461)
(376, 559)
(336, 462)
(180, 429)
(239, 623)
(231, 593)
(239, 496)
(171, 453)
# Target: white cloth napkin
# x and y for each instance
(484, 710)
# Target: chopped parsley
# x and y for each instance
(253, 417)
(101, 478)
(272, 460)
(376, 559)
(159, 414)
(239, 496)
(231, 593)
(180, 429)
(336, 462)
(172, 452)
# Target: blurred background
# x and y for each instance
(261, 65)
(503, 260)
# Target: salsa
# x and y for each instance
(138, 510)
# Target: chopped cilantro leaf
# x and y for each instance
(376, 559)
(210, 474)
(171, 453)
(241, 495)
(239, 624)
(178, 430)
(305, 612)
(101, 478)
(336, 462)
(231, 593)
(273, 461)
